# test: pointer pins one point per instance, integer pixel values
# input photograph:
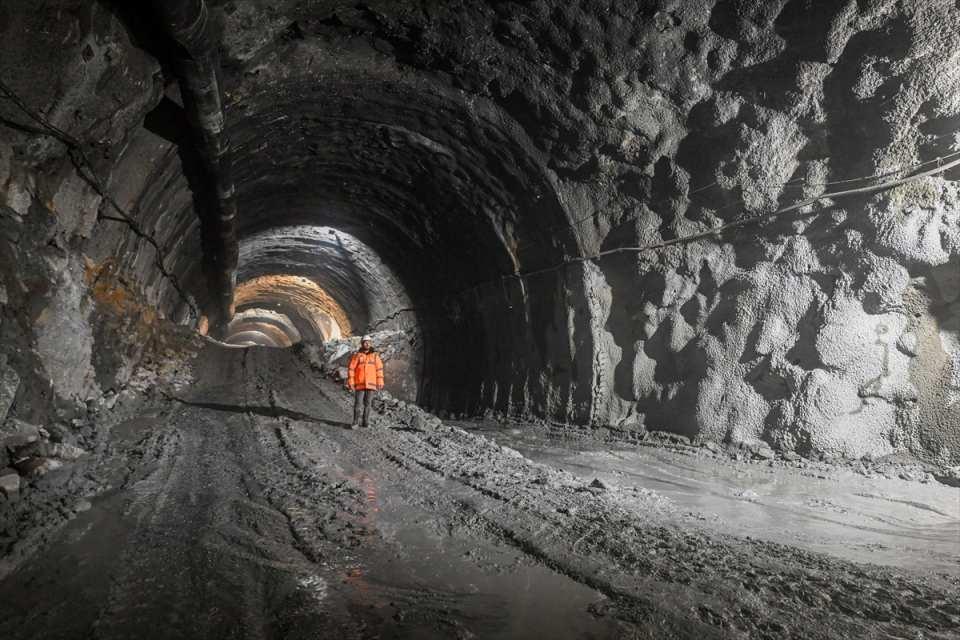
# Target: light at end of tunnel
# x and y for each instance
(295, 306)
(203, 325)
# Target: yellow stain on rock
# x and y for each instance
(114, 296)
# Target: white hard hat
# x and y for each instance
(366, 339)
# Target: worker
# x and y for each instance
(364, 378)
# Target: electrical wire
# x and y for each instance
(573, 224)
(85, 170)
(941, 168)
(656, 246)
(81, 161)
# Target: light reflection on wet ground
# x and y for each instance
(428, 579)
(878, 520)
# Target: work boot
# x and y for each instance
(354, 425)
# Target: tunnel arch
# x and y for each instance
(409, 205)
(276, 324)
(316, 316)
(363, 289)
(450, 195)
(464, 141)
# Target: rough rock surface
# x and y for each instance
(645, 122)
(399, 350)
(9, 384)
(466, 142)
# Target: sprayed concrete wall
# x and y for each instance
(464, 142)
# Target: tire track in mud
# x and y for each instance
(288, 482)
(686, 583)
(330, 514)
(746, 587)
(200, 514)
(184, 546)
(225, 523)
(249, 543)
(309, 503)
(347, 458)
(245, 511)
(490, 505)
(539, 534)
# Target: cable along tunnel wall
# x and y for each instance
(563, 130)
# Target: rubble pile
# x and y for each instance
(405, 415)
(397, 348)
(29, 451)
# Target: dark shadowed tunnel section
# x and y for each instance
(426, 199)
(407, 207)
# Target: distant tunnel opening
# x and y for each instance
(297, 306)
(369, 205)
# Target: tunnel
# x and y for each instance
(491, 319)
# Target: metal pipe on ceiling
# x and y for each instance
(196, 62)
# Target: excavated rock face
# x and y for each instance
(70, 327)
(450, 145)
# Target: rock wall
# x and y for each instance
(832, 330)
(476, 147)
(73, 324)
(802, 332)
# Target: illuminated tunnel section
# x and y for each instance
(371, 203)
(262, 327)
(287, 309)
(321, 270)
(409, 205)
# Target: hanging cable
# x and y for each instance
(656, 246)
(941, 168)
(571, 226)
(501, 280)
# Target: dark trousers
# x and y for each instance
(364, 397)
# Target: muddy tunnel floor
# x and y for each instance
(242, 507)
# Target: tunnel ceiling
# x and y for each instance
(453, 130)
(394, 165)
(446, 190)
(453, 145)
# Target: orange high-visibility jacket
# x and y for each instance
(365, 371)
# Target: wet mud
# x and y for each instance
(242, 507)
(885, 521)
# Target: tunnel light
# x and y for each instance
(288, 309)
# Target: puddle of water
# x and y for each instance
(430, 582)
(888, 522)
